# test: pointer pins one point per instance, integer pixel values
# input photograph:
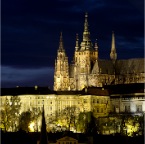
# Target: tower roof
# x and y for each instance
(113, 54)
(86, 23)
(86, 44)
(61, 47)
(113, 42)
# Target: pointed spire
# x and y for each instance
(113, 54)
(113, 42)
(86, 43)
(77, 42)
(86, 23)
(86, 33)
(43, 136)
(61, 48)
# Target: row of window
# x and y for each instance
(127, 108)
(100, 110)
(99, 101)
(138, 108)
(48, 108)
(83, 53)
(133, 98)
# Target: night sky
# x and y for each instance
(30, 31)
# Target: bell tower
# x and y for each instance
(85, 56)
(61, 73)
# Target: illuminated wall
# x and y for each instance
(53, 103)
(132, 103)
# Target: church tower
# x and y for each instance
(84, 57)
(113, 54)
(61, 73)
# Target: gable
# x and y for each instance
(67, 139)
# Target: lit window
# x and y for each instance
(101, 110)
(139, 108)
(127, 108)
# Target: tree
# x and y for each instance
(6, 115)
(90, 128)
(15, 110)
(86, 122)
(68, 117)
(10, 113)
(35, 115)
(141, 124)
(25, 120)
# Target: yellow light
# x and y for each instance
(31, 127)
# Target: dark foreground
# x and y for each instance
(32, 138)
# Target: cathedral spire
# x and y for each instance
(61, 48)
(86, 23)
(86, 33)
(86, 44)
(113, 54)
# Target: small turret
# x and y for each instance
(96, 46)
(77, 43)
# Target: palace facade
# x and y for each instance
(101, 101)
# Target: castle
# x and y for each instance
(87, 69)
(89, 84)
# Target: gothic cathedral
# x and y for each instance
(87, 69)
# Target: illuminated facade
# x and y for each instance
(101, 101)
(88, 69)
(55, 103)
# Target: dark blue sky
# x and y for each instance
(30, 31)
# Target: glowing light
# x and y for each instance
(36, 87)
(31, 127)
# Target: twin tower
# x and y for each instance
(83, 71)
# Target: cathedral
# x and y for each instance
(88, 70)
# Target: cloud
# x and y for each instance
(26, 77)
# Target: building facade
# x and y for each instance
(87, 69)
(32, 99)
(117, 99)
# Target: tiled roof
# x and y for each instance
(95, 91)
(25, 90)
(130, 66)
(126, 88)
(105, 91)
(121, 66)
(106, 67)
